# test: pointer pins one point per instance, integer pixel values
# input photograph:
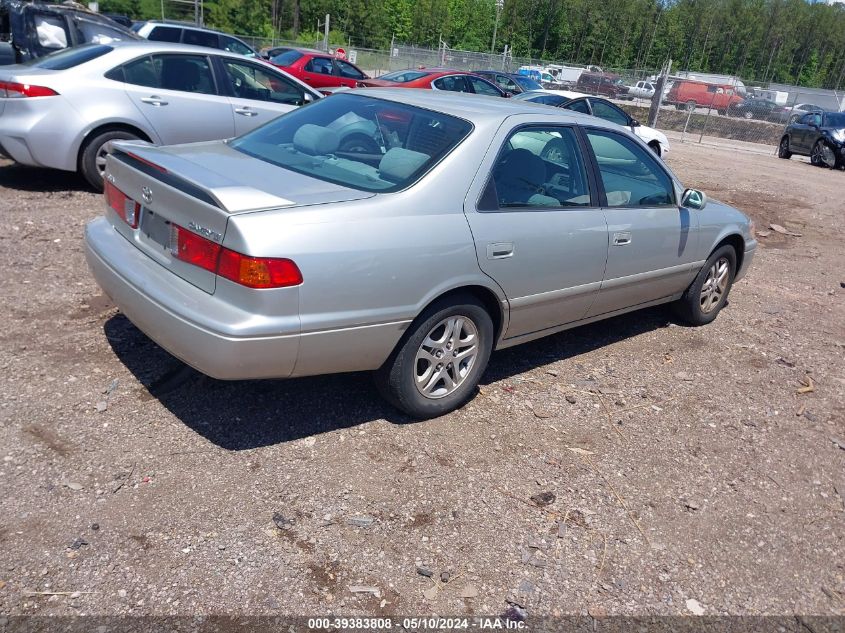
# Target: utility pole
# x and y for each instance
(197, 12)
(326, 36)
(499, 5)
(657, 97)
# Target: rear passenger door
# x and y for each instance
(538, 230)
(318, 72)
(653, 242)
(348, 75)
(178, 95)
(451, 83)
(257, 93)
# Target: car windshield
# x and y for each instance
(526, 83)
(404, 76)
(69, 57)
(286, 58)
(360, 142)
(834, 119)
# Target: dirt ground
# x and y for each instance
(633, 466)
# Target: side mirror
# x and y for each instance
(694, 199)
(307, 98)
(635, 123)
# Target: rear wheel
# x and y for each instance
(783, 148)
(823, 155)
(691, 105)
(748, 114)
(708, 293)
(437, 365)
(655, 147)
(92, 159)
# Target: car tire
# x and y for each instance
(721, 112)
(691, 105)
(92, 156)
(427, 341)
(708, 293)
(359, 144)
(783, 148)
(655, 147)
(818, 156)
(748, 114)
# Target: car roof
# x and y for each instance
(472, 107)
(127, 47)
(186, 25)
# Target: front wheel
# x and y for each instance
(437, 366)
(708, 293)
(748, 114)
(823, 155)
(655, 147)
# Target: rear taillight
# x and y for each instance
(13, 90)
(253, 272)
(123, 205)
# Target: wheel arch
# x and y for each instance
(736, 241)
(488, 298)
(655, 145)
(106, 127)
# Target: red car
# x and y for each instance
(318, 69)
(435, 79)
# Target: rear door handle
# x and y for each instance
(154, 100)
(500, 250)
(246, 111)
(620, 239)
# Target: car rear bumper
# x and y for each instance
(158, 303)
(747, 258)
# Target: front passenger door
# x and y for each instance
(653, 243)
(538, 232)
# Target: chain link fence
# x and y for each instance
(695, 106)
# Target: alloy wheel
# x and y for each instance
(100, 160)
(823, 155)
(714, 286)
(446, 357)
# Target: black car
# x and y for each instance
(763, 109)
(35, 29)
(509, 82)
(546, 98)
(819, 135)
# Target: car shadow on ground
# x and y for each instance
(242, 415)
(23, 178)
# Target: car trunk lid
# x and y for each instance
(198, 187)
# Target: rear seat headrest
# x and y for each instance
(399, 163)
(315, 140)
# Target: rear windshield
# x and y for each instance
(404, 76)
(834, 119)
(286, 58)
(356, 141)
(69, 57)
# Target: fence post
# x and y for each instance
(707, 118)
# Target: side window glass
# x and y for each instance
(321, 65)
(234, 46)
(200, 38)
(609, 113)
(482, 87)
(452, 83)
(538, 167)
(251, 82)
(142, 72)
(186, 73)
(630, 174)
(348, 70)
(579, 106)
(165, 34)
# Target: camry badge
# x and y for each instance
(146, 195)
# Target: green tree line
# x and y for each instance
(787, 41)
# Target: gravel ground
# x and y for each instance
(633, 466)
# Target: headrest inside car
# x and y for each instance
(398, 163)
(315, 140)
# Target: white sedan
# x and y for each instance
(603, 109)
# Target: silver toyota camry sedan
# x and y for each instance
(62, 110)
(467, 224)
